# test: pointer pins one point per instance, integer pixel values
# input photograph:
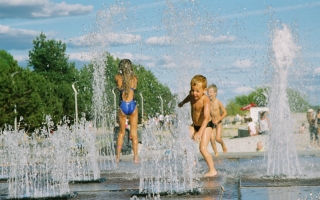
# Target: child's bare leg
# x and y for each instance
(213, 142)
(134, 134)
(192, 132)
(122, 121)
(219, 138)
(205, 153)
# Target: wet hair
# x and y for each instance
(214, 87)
(127, 73)
(199, 79)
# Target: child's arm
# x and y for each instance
(206, 118)
(185, 100)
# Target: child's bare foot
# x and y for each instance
(216, 154)
(136, 161)
(117, 160)
(224, 148)
(211, 174)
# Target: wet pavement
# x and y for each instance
(232, 182)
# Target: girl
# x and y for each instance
(127, 83)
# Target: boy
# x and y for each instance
(218, 113)
(202, 125)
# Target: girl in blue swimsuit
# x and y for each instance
(127, 83)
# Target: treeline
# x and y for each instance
(297, 101)
(45, 87)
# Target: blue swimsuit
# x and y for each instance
(127, 107)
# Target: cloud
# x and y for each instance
(108, 39)
(131, 56)
(21, 58)
(40, 9)
(242, 64)
(241, 90)
(11, 38)
(82, 57)
(271, 9)
(317, 70)
(159, 41)
(219, 39)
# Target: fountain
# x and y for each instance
(285, 51)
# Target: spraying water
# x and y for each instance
(175, 168)
(282, 156)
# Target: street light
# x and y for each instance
(141, 105)
(161, 104)
(76, 101)
(115, 105)
(15, 106)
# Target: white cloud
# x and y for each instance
(161, 41)
(242, 64)
(83, 57)
(271, 9)
(11, 38)
(219, 39)
(108, 39)
(40, 9)
(241, 90)
(21, 58)
(131, 56)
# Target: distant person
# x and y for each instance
(127, 82)
(260, 147)
(318, 120)
(201, 129)
(246, 118)
(302, 128)
(161, 121)
(264, 124)
(217, 113)
(312, 127)
(252, 129)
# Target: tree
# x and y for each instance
(49, 58)
(297, 102)
(27, 91)
(9, 68)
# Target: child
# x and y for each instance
(302, 128)
(201, 128)
(318, 120)
(127, 83)
(260, 147)
(218, 113)
(252, 127)
(312, 126)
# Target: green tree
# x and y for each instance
(297, 102)
(49, 58)
(29, 92)
(9, 68)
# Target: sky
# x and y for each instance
(232, 43)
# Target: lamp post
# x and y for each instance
(161, 104)
(15, 106)
(76, 101)
(115, 105)
(141, 105)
